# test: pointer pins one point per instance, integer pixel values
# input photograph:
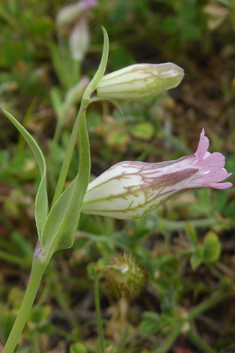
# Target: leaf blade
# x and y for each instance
(41, 201)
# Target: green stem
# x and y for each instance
(197, 223)
(58, 130)
(37, 271)
(199, 342)
(207, 304)
(98, 313)
(69, 153)
(171, 337)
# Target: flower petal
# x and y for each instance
(202, 146)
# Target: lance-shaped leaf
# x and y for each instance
(102, 67)
(41, 202)
(60, 227)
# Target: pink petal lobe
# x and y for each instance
(202, 146)
(221, 186)
(211, 169)
(215, 160)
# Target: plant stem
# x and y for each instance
(69, 153)
(58, 130)
(171, 337)
(199, 342)
(98, 313)
(207, 304)
(37, 271)
(197, 223)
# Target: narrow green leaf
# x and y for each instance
(102, 67)
(115, 103)
(57, 102)
(61, 66)
(41, 202)
(55, 235)
(150, 321)
(61, 225)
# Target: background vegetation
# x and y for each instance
(185, 247)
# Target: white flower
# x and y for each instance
(132, 189)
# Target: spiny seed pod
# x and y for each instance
(124, 276)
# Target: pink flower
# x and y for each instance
(70, 13)
(130, 190)
(211, 166)
(90, 3)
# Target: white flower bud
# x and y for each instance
(140, 81)
(79, 40)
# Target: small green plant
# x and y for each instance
(128, 190)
